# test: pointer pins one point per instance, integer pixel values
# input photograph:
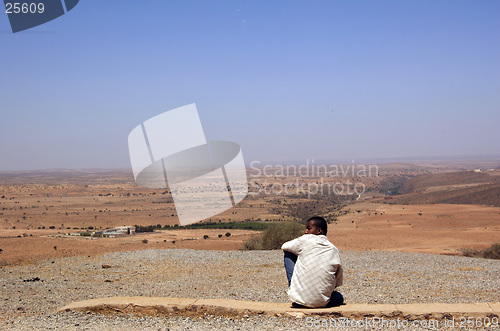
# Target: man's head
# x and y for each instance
(316, 225)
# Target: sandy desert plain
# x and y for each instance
(434, 208)
(403, 210)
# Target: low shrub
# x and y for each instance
(148, 228)
(275, 235)
(470, 252)
(492, 252)
(242, 225)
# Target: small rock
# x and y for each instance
(297, 314)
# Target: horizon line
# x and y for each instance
(381, 160)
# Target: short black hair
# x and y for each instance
(320, 222)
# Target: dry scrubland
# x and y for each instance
(406, 210)
(38, 209)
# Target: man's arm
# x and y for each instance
(292, 246)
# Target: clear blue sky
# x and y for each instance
(287, 80)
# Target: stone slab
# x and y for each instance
(180, 306)
(137, 301)
(495, 307)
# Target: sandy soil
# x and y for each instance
(37, 209)
(440, 229)
(28, 249)
(436, 228)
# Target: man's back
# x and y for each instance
(317, 272)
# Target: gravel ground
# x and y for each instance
(31, 293)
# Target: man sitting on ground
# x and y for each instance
(313, 268)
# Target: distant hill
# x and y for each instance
(424, 182)
(465, 187)
(66, 176)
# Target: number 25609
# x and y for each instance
(25, 8)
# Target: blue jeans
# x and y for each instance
(290, 260)
(336, 298)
